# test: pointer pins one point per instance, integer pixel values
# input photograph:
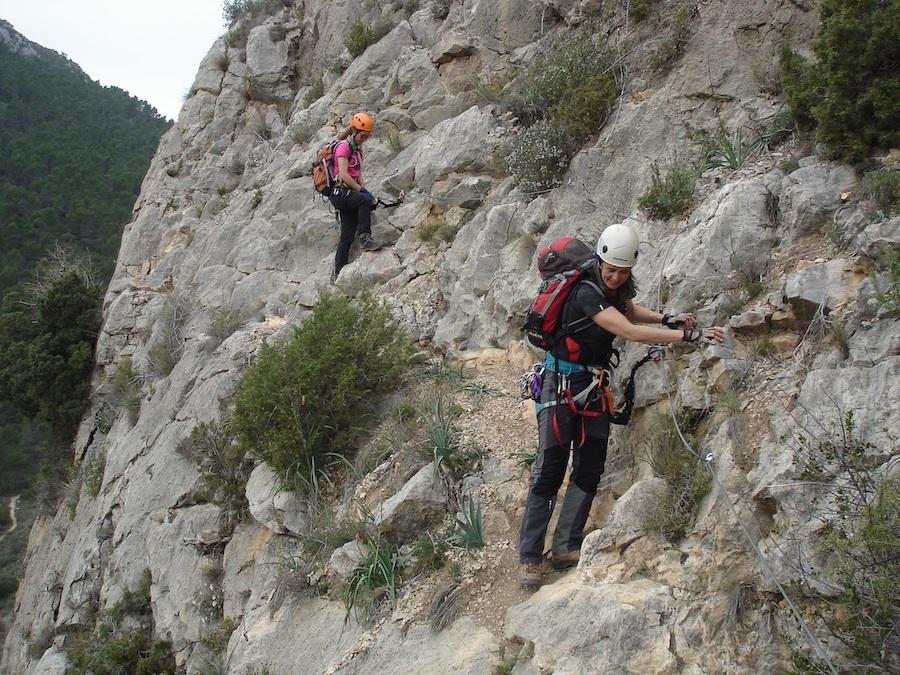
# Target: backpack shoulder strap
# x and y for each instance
(570, 326)
(580, 323)
(334, 158)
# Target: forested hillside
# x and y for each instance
(73, 156)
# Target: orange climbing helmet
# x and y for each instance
(362, 122)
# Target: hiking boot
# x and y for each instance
(565, 561)
(368, 242)
(531, 574)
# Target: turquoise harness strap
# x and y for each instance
(540, 406)
(569, 367)
(564, 367)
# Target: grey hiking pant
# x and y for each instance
(563, 434)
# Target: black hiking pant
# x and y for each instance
(562, 434)
(355, 209)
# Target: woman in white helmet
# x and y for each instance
(573, 413)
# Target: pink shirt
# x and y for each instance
(354, 160)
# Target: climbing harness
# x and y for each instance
(598, 389)
(340, 187)
(579, 402)
(531, 383)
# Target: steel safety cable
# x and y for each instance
(708, 463)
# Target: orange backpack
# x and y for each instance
(323, 181)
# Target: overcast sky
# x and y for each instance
(149, 48)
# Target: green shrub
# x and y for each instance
(223, 322)
(889, 300)
(670, 195)
(441, 372)
(672, 48)
(444, 443)
(586, 106)
(362, 36)
(119, 640)
(223, 465)
(884, 186)
(241, 16)
(105, 648)
(126, 388)
(428, 553)
(167, 341)
(47, 351)
(570, 61)
(539, 157)
(216, 640)
(687, 480)
(852, 94)
(250, 11)
(728, 151)
(564, 99)
(575, 86)
(315, 92)
(639, 10)
(379, 572)
(469, 532)
(302, 407)
(136, 601)
(860, 508)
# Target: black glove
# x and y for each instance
(676, 321)
(707, 335)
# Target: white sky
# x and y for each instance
(149, 48)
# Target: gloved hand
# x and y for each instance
(368, 195)
(683, 320)
(711, 336)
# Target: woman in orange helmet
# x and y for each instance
(349, 196)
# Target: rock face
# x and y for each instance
(227, 227)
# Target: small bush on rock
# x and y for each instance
(363, 36)
(303, 406)
(563, 100)
(884, 186)
(224, 466)
(120, 640)
(669, 195)
(540, 157)
(687, 481)
(858, 506)
(47, 339)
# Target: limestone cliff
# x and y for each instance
(227, 222)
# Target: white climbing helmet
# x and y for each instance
(618, 245)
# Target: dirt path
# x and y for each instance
(12, 517)
(12, 513)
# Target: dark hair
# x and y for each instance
(626, 291)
